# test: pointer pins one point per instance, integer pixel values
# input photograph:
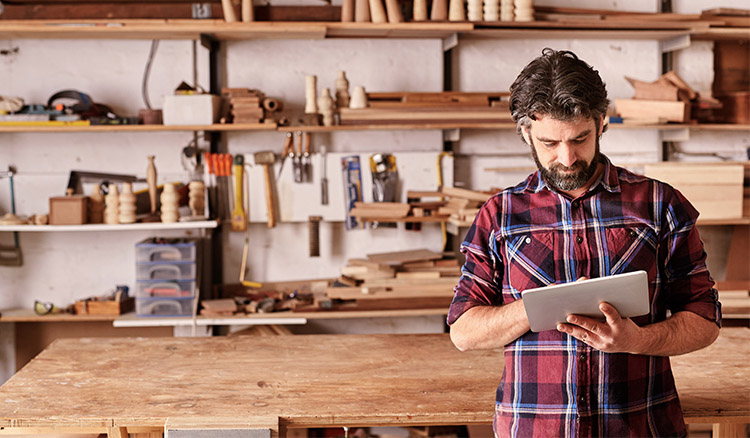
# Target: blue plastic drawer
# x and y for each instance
(164, 306)
(165, 271)
(179, 251)
(164, 288)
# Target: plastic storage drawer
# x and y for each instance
(165, 271)
(164, 306)
(179, 251)
(164, 288)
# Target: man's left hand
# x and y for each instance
(615, 335)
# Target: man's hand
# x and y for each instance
(615, 335)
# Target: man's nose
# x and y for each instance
(566, 155)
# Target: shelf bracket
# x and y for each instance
(450, 42)
(675, 43)
(452, 134)
(682, 134)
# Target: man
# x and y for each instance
(579, 217)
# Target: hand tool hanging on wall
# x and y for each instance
(266, 159)
(384, 182)
(11, 255)
(352, 175)
(239, 221)
(307, 160)
(208, 161)
(323, 177)
(226, 171)
(288, 151)
(246, 246)
(297, 159)
(313, 231)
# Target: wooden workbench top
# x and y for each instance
(308, 381)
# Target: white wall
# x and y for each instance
(63, 267)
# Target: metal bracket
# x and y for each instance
(675, 43)
(681, 134)
(452, 134)
(450, 42)
(201, 11)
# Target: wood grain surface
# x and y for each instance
(309, 381)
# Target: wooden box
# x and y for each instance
(714, 189)
(68, 210)
(111, 307)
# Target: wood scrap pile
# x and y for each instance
(715, 17)
(451, 203)
(237, 299)
(396, 280)
(463, 205)
(244, 105)
(424, 107)
(668, 99)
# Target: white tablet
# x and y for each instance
(550, 305)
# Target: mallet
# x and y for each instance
(267, 159)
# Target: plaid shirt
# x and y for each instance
(530, 236)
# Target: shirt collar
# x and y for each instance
(609, 179)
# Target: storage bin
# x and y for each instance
(173, 250)
(164, 288)
(164, 306)
(165, 271)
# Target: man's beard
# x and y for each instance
(557, 179)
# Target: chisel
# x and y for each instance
(323, 177)
(239, 221)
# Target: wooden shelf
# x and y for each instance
(138, 128)
(28, 315)
(106, 227)
(737, 221)
(184, 29)
(244, 127)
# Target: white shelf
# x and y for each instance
(131, 320)
(119, 227)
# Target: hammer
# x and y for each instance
(267, 159)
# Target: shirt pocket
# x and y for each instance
(631, 249)
(530, 261)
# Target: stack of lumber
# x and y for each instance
(245, 105)
(397, 280)
(716, 17)
(714, 189)
(438, 107)
(398, 211)
(668, 99)
(463, 205)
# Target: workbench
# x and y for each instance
(144, 385)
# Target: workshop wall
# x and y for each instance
(61, 267)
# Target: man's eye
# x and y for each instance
(579, 140)
(550, 145)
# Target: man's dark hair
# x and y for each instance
(559, 85)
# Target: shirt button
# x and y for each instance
(576, 204)
(528, 240)
(582, 399)
(631, 233)
(579, 239)
(582, 357)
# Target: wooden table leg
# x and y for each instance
(730, 430)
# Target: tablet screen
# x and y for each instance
(548, 306)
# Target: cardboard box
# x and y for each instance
(68, 210)
(195, 109)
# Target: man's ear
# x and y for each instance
(601, 126)
(526, 135)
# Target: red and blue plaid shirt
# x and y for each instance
(530, 236)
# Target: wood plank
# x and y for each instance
(655, 109)
(404, 256)
(456, 192)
